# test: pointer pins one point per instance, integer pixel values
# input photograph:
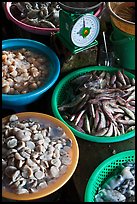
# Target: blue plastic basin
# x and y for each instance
(54, 66)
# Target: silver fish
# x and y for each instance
(101, 132)
(121, 77)
(128, 112)
(110, 130)
(102, 122)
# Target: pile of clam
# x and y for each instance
(39, 14)
(120, 187)
(100, 103)
(23, 71)
(34, 155)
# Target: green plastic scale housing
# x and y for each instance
(67, 21)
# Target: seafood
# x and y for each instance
(76, 101)
(120, 187)
(39, 14)
(95, 107)
(102, 123)
(121, 78)
(110, 130)
(79, 117)
(87, 124)
(36, 161)
(23, 71)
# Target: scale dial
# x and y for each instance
(85, 30)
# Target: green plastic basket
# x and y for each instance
(104, 170)
(58, 95)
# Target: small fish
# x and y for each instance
(92, 110)
(77, 119)
(91, 123)
(96, 119)
(108, 123)
(131, 108)
(118, 115)
(73, 103)
(82, 103)
(131, 96)
(94, 90)
(81, 121)
(121, 77)
(99, 100)
(102, 75)
(130, 128)
(114, 86)
(117, 110)
(126, 78)
(132, 81)
(102, 122)
(110, 130)
(103, 83)
(111, 94)
(79, 129)
(114, 129)
(94, 74)
(119, 84)
(82, 78)
(108, 78)
(126, 122)
(107, 111)
(128, 112)
(101, 132)
(72, 117)
(87, 124)
(121, 101)
(132, 102)
(122, 128)
(114, 90)
(113, 79)
(132, 88)
(79, 81)
(126, 95)
(118, 132)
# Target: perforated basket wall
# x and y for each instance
(104, 170)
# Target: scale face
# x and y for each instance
(78, 32)
(85, 30)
